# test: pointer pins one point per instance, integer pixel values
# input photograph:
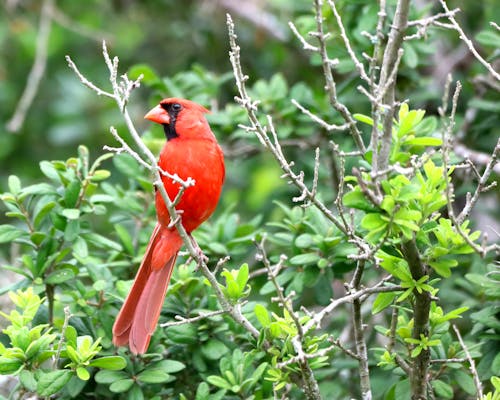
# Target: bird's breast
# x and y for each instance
(202, 161)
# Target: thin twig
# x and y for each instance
(359, 336)
(482, 184)
(75, 26)
(261, 132)
(387, 80)
(359, 66)
(315, 321)
(37, 70)
(182, 320)
(318, 120)
(472, 364)
(310, 384)
(331, 87)
(468, 42)
(446, 148)
(67, 316)
(307, 46)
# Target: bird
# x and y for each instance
(190, 151)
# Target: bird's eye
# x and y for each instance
(176, 107)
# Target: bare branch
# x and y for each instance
(318, 120)
(359, 66)
(331, 87)
(424, 23)
(85, 81)
(472, 365)
(74, 26)
(67, 316)
(457, 222)
(37, 70)
(256, 13)
(262, 131)
(359, 336)
(387, 80)
(305, 43)
(310, 384)
(182, 320)
(316, 320)
(482, 184)
(468, 42)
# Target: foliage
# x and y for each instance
(33, 345)
(75, 229)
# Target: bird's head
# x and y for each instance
(181, 118)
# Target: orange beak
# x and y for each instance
(158, 115)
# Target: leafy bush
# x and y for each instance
(354, 281)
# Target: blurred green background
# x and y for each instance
(182, 50)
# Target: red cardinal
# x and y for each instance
(192, 151)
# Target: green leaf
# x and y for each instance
(305, 259)
(149, 76)
(426, 126)
(110, 376)
(262, 315)
(242, 277)
(72, 193)
(9, 366)
(82, 373)
(27, 379)
(424, 141)
(71, 213)
(382, 301)
(125, 238)
(100, 175)
(153, 375)
(49, 170)
(50, 383)
(410, 56)
(488, 38)
(203, 392)
(60, 276)
(113, 363)
(402, 390)
(170, 366)
(101, 241)
(356, 199)
(39, 216)
(214, 349)
(442, 389)
(14, 184)
(363, 118)
(127, 165)
(74, 386)
(219, 382)
(9, 233)
(304, 241)
(372, 222)
(466, 382)
(121, 386)
(183, 334)
(442, 266)
(278, 86)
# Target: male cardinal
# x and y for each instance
(192, 151)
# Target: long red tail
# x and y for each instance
(139, 314)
